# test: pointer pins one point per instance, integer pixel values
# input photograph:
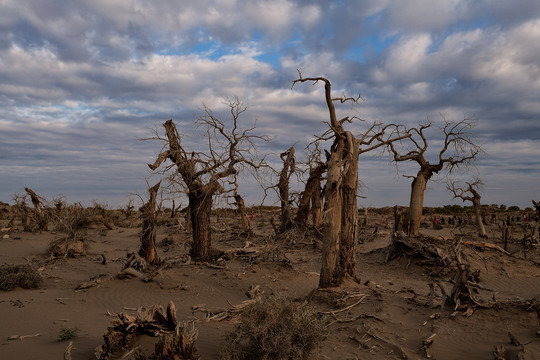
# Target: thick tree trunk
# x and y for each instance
(479, 222)
(332, 218)
(200, 208)
(148, 238)
(349, 219)
(313, 186)
(416, 205)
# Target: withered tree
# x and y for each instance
(148, 237)
(340, 204)
(470, 193)
(39, 213)
(289, 167)
(311, 199)
(241, 207)
(231, 148)
(458, 149)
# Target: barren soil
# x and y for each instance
(391, 310)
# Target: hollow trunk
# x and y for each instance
(479, 222)
(313, 186)
(200, 208)
(332, 218)
(148, 238)
(416, 205)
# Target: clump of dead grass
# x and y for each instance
(68, 333)
(275, 328)
(23, 276)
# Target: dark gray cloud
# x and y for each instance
(80, 81)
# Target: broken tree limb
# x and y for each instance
(398, 349)
(345, 308)
(20, 337)
(67, 352)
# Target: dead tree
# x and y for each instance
(204, 174)
(474, 197)
(241, 208)
(311, 198)
(289, 166)
(458, 149)
(148, 238)
(340, 205)
(39, 213)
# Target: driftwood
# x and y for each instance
(67, 352)
(177, 341)
(20, 337)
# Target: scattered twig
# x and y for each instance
(20, 337)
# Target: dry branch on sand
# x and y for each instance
(176, 340)
(135, 267)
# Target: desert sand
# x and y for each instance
(389, 313)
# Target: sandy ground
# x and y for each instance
(392, 322)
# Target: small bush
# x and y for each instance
(23, 276)
(275, 328)
(67, 333)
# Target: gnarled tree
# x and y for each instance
(231, 148)
(340, 206)
(458, 149)
(470, 193)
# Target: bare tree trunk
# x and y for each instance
(148, 238)
(313, 188)
(241, 207)
(479, 222)
(349, 219)
(332, 217)
(418, 188)
(317, 206)
(283, 186)
(200, 208)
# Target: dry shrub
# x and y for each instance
(23, 276)
(275, 328)
(67, 247)
(67, 333)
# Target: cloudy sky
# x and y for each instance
(81, 81)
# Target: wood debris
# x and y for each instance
(21, 337)
(151, 321)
